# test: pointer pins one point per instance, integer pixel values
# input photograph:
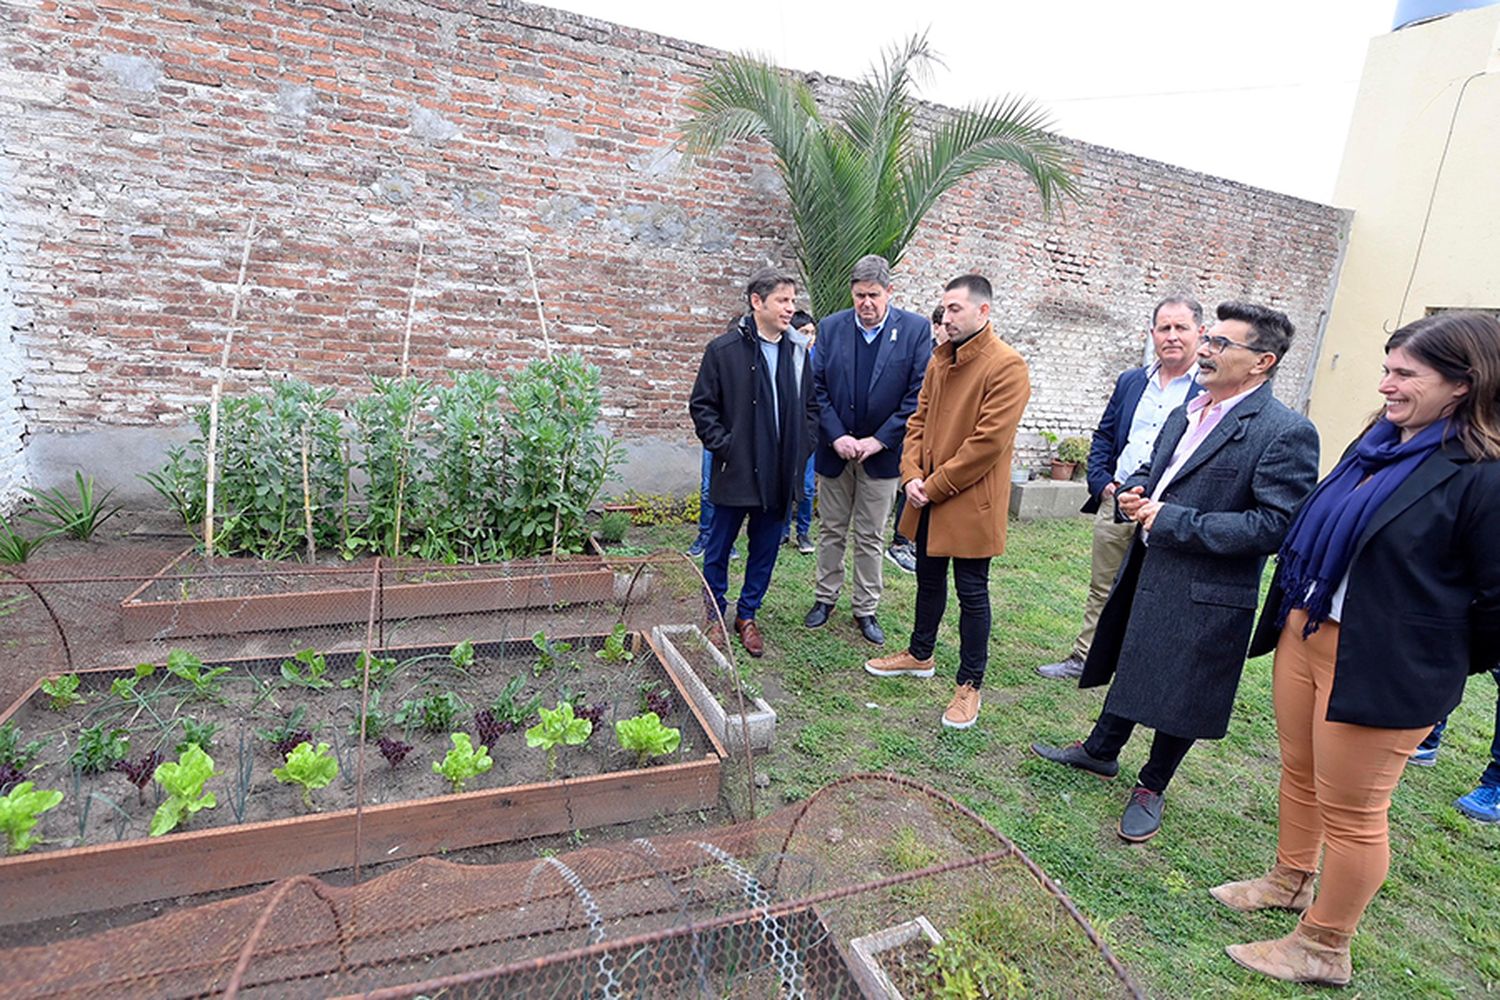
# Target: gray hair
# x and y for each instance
(766, 280)
(871, 267)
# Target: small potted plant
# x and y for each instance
(1071, 453)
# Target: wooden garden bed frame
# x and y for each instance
(102, 876)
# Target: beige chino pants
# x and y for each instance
(853, 500)
(1111, 544)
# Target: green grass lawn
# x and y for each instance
(1434, 930)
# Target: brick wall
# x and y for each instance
(140, 137)
(12, 362)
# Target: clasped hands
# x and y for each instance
(853, 449)
(1139, 508)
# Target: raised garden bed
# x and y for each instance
(97, 854)
(187, 597)
(708, 679)
(878, 960)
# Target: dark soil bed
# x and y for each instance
(102, 808)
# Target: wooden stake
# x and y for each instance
(217, 394)
(312, 545)
(411, 306)
(541, 316)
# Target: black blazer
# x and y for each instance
(1423, 606)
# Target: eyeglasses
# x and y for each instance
(1216, 344)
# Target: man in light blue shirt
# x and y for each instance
(1122, 444)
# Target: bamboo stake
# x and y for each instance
(411, 307)
(217, 394)
(312, 545)
(541, 316)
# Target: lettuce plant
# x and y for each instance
(614, 650)
(463, 761)
(559, 727)
(140, 772)
(184, 665)
(646, 737)
(462, 656)
(183, 781)
(548, 653)
(306, 669)
(18, 815)
(432, 714)
(309, 768)
(393, 750)
(62, 690)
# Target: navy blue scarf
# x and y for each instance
(1318, 547)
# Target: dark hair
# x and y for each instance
(1270, 331)
(801, 318)
(1462, 347)
(937, 315)
(976, 286)
(1180, 300)
(765, 280)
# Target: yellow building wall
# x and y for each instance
(1421, 170)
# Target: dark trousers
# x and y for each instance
(896, 537)
(1110, 734)
(971, 578)
(764, 533)
(705, 506)
(1491, 774)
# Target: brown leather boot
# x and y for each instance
(1281, 888)
(1310, 954)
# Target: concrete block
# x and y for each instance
(1044, 498)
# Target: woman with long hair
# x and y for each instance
(1386, 597)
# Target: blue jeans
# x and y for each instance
(1491, 776)
(764, 542)
(705, 506)
(804, 508)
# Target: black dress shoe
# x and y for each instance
(1142, 817)
(818, 616)
(1077, 756)
(870, 629)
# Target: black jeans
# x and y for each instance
(1167, 751)
(896, 537)
(971, 578)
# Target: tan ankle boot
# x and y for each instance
(1281, 888)
(1310, 954)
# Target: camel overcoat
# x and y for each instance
(960, 442)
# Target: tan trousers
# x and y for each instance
(1111, 543)
(853, 499)
(1336, 780)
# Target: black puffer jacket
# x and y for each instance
(750, 470)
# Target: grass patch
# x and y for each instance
(1434, 931)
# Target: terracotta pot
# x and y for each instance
(1063, 471)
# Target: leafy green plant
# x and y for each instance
(559, 727)
(308, 768)
(183, 781)
(382, 669)
(548, 653)
(55, 509)
(186, 666)
(306, 669)
(614, 650)
(13, 751)
(861, 183)
(1073, 449)
(16, 548)
(462, 656)
(99, 748)
(968, 964)
(196, 733)
(463, 762)
(377, 720)
(62, 690)
(433, 714)
(387, 423)
(511, 712)
(125, 688)
(19, 810)
(613, 526)
(662, 508)
(288, 734)
(466, 461)
(645, 736)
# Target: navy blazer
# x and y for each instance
(900, 363)
(1113, 432)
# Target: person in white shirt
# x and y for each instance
(1122, 443)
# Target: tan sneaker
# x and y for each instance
(963, 710)
(901, 664)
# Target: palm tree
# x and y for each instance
(862, 182)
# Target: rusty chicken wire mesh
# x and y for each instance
(813, 900)
(382, 661)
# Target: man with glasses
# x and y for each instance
(1122, 443)
(1227, 471)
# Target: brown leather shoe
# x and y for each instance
(1281, 888)
(749, 634)
(1310, 954)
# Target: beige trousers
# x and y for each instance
(1111, 543)
(853, 499)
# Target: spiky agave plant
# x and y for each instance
(862, 181)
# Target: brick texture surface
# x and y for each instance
(140, 137)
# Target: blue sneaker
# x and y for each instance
(1483, 804)
(696, 550)
(1423, 756)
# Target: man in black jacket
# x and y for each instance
(753, 408)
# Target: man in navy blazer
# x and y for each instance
(867, 372)
(1122, 444)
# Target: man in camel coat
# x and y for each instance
(955, 471)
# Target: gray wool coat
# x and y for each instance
(1175, 629)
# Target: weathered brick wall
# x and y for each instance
(141, 137)
(12, 362)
